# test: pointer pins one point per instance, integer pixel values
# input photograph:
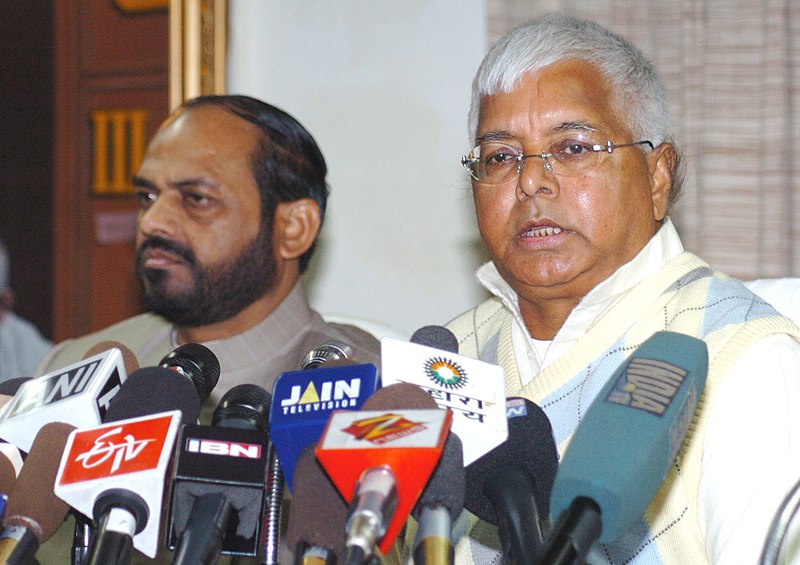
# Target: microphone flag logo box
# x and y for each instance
(130, 454)
(474, 390)
(302, 402)
(77, 394)
(231, 461)
(114, 449)
(412, 444)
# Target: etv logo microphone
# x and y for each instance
(121, 460)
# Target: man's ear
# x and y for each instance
(296, 227)
(662, 162)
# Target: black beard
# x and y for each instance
(218, 293)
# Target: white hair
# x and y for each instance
(639, 94)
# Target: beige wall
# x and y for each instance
(384, 88)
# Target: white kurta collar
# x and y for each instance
(665, 245)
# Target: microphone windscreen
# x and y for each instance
(152, 390)
(245, 406)
(11, 386)
(405, 396)
(318, 513)
(530, 445)
(128, 357)
(447, 486)
(197, 362)
(8, 474)
(438, 337)
(32, 500)
(329, 351)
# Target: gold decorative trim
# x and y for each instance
(118, 144)
(136, 6)
(198, 32)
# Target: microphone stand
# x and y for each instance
(275, 485)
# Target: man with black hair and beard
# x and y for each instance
(232, 194)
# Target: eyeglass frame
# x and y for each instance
(609, 147)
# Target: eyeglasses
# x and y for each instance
(496, 162)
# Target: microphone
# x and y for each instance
(439, 505)
(606, 481)
(152, 390)
(303, 400)
(115, 474)
(315, 530)
(438, 337)
(146, 391)
(510, 486)
(328, 351)
(34, 512)
(472, 389)
(10, 456)
(379, 460)
(128, 357)
(197, 362)
(9, 388)
(78, 394)
(218, 485)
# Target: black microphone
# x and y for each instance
(151, 390)
(510, 485)
(439, 505)
(197, 362)
(218, 486)
(436, 336)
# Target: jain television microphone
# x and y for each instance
(302, 401)
(472, 389)
(510, 486)
(115, 474)
(219, 480)
(34, 512)
(625, 444)
(439, 505)
(198, 363)
(380, 460)
(78, 394)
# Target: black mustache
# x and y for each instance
(156, 242)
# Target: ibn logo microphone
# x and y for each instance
(115, 474)
(78, 394)
(219, 480)
(379, 461)
(472, 389)
(625, 444)
(302, 402)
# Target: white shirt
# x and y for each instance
(751, 454)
